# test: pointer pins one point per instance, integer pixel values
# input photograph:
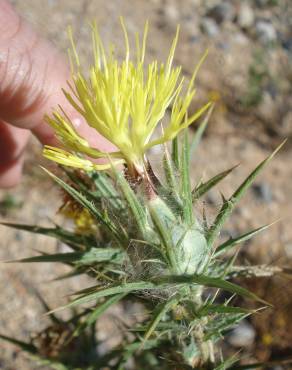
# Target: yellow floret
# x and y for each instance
(123, 101)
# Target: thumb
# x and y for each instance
(32, 74)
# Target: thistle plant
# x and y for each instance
(139, 234)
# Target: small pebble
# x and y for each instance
(222, 12)
(193, 39)
(240, 38)
(262, 3)
(242, 336)
(171, 12)
(287, 44)
(209, 26)
(245, 16)
(263, 192)
(212, 198)
(286, 124)
(266, 32)
(288, 250)
(267, 106)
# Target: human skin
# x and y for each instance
(32, 74)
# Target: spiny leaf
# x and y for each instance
(169, 171)
(104, 189)
(242, 238)
(175, 153)
(107, 190)
(205, 187)
(220, 308)
(97, 312)
(80, 198)
(171, 176)
(70, 274)
(104, 196)
(57, 232)
(101, 292)
(158, 314)
(94, 255)
(229, 205)
(210, 282)
(162, 283)
(136, 345)
(225, 365)
(161, 326)
(255, 271)
(221, 324)
(163, 232)
(201, 129)
(186, 184)
(130, 349)
(136, 207)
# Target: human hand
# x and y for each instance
(32, 74)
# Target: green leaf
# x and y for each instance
(205, 187)
(225, 365)
(136, 345)
(97, 312)
(127, 352)
(175, 153)
(200, 130)
(94, 255)
(220, 308)
(186, 184)
(136, 207)
(106, 189)
(161, 327)
(59, 233)
(158, 216)
(242, 238)
(100, 292)
(171, 176)
(80, 198)
(220, 324)
(210, 282)
(158, 314)
(161, 283)
(229, 205)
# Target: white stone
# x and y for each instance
(266, 32)
(242, 336)
(245, 16)
(209, 26)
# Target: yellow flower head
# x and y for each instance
(82, 218)
(123, 101)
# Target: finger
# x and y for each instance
(32, 74)
(12, 143)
